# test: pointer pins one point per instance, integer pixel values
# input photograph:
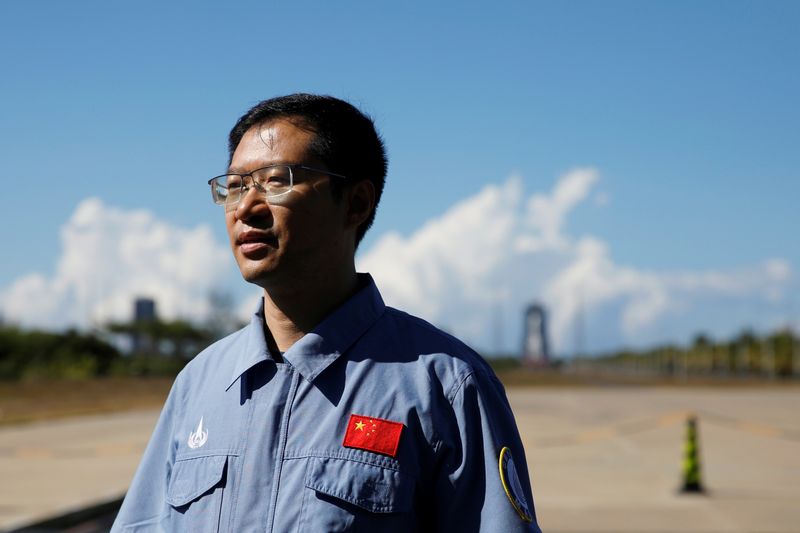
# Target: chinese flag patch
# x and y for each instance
(373, 434)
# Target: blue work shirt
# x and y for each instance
(247, 442)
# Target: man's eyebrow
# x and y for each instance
(235, 170)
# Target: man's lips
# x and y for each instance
(255, 243)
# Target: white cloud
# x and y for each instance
(545, 214)
(499, 251)
(109, 257)
(471, 270)
(455, 254)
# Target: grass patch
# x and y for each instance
(545, 377)
(30, 401)
(46, 400)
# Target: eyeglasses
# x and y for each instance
(276, 181)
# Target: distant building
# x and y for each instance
(535, 345)
(144, 310)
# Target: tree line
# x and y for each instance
(774, 355)
(145, 348)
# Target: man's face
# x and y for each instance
(297, 238)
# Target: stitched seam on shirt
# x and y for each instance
(245, 440)
(206, 453)
(282, 449)
(348, 457)
(459, 384)
(193, 492)
(450, 399)
(302, 516)
(360, 502)
(344, 457)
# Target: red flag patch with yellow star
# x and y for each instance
(373, 434)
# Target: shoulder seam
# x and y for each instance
(459, 385)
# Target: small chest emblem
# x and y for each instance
(199, 437)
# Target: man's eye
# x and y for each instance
(233, 182)
(277, 179)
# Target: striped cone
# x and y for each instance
(692, 479)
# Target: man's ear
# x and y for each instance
(360, 202)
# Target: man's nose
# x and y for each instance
(253, 202)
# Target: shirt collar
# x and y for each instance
(319, 348)
(255, 345)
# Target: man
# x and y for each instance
(329, 411)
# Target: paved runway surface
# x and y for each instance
(609, 460)
(601, 460)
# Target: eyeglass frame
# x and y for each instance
(254, 183)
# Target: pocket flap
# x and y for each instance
(191, 478)
(371, 487)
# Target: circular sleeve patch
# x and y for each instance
(512, 486)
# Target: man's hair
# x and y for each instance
(345, 139)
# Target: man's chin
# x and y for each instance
(257, 276)
(266, 278)
(260, 280)
(254, 270)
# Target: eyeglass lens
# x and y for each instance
(274, 181)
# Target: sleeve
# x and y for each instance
(482, 482)
(144, 506)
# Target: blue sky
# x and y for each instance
(686, 111)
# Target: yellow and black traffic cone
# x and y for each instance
(692, 480)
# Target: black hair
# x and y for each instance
(345, 139)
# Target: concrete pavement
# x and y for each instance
(52, 468)
(601, 460)
(609, 460)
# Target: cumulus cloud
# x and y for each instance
(472, 270)
(499, 251)
(109, 257)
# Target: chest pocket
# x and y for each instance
(345, 495)
(195, 493)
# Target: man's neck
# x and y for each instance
(291, 313)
